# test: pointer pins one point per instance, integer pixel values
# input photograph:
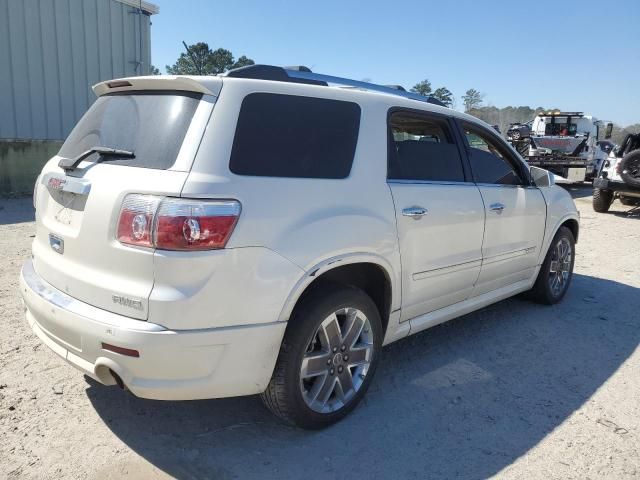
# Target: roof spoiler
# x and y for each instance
(151, 83)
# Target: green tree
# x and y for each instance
(153, 70)
(242, 62)
(472, 99)
(423, 87)
(199, 59)
(444, 95)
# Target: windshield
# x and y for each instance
(560, 128)
(150, 124)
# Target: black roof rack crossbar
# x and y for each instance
(301, 74)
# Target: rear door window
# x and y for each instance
(423, 148)
(150, 124)
(293, 136)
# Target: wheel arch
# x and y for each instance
(573, 225)
(371, 274)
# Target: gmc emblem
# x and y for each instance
(57, 183)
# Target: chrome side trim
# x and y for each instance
(501, 257)
(437, 272)
(428, 182)
(496, 185)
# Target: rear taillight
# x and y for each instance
(194, 224)
(176, 223)
(135, 225)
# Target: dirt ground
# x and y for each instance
(516, 391)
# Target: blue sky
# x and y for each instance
(575, 55)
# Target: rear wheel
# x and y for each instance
(602, 200)
(327, 359)
(556, 270)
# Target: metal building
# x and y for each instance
(51, 53)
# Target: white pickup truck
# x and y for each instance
(566, 143)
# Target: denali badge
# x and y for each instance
(127, 302)
(57, 244)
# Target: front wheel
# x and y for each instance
(556, 270)
(327, 358)
(602, 200)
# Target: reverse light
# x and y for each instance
(176, 223)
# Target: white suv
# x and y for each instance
(269, 230)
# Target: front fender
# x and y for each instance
(560, 208)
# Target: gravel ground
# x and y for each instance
(516, 390)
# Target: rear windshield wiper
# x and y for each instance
(71, 163)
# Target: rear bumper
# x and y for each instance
(620, 187)
(172, 364)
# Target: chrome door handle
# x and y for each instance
(496, 207)
(414, 212)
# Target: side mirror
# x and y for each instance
(608, 131)
(541, 177)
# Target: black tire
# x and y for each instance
(630, 168)
(542, 291)
(284, 395)
(516, 135)
(630, 201)
(602, 200)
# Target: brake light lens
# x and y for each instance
(194, 224)
(176, 223)
(135, 225)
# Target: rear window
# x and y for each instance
(152, 125)
(292, 136)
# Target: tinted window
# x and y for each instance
(152, 126)
(560, 129)
(423, 149)
(290, 136)
(489, 162)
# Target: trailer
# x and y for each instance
(565, 143)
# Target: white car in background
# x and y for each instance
(267, 231)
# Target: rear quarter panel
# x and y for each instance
(307, 221)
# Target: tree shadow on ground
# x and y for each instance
(462, 400)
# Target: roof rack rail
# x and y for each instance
(302, 74)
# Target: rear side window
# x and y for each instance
(152, 125)
(292, 136)
(422, 148)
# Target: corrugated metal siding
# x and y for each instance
(53, 51)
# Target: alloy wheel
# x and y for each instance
(337, 360)
(560, 268)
